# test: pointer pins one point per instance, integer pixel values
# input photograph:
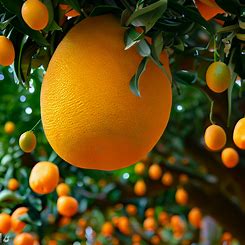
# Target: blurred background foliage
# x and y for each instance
(103, 196)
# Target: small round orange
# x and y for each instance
(155, 172)
(230, 157)
(136, 238)
(35, 14)
(24, 239)
(9, 127)
(177, 224)
(27, 141)
(64, 221)
(13, 184)
(82, 223)
(63, 189)
(139, 168)
(183, 178)
(67, 206)
(7, 52)
(167, 179)
(124, 225)
(215, 137)
(131, 209)
(44, 177)
(181, 196)
(149, 224)
(218, 77)
(149, 212)
(107, 229)
(155, 240)
(5, 223)
(239, 134)
(17, 225)
(163, 218)
(195, 217)
(140, 188)
(227, 237)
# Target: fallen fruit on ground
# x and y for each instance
(105, 126)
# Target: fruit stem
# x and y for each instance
(216, 54)
(33, 128)
(211, 112)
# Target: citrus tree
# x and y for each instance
(122, 122)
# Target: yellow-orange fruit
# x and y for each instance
(149, 212)
(227, 237)
(67, 206)
(218, 77)
(35, 14)
(239, 134)
(155, 240)
(131, 209)
(7, 53)
(90, 116)
(9, 127)
(163, 218)
(136, 238)
(5, 223)
(149, 224)
(230, 157)
(140, 188)
(107, 229)
(24, 239)
(27, 141)
(195, 217)
(82, 223)
(139, 168)
(13, 184)
(124, 225)
(63, 189)
(17, 225)
(208, 8)
(44, 177)
(64, 221)
(215, 137)
(181, 196)
(167, 179)
(155, 172)
(177, 225)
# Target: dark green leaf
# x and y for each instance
(74, 4)
(134, 83)
(185, 77)
(105, 9)
(143, 48)
(5, 23)
(131, 37)
(27, 219)
(157, 45)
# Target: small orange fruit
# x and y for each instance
(163, 218)
(155, 172)
(82, 223)
(181, 196)
(183, 178)
(67, 206)
(13, 184)
(131, 209)
(9, 127)
(44, 177)
(63, 189)
(136, 238)
(27, 141)
(7, 52)
(64, 221)
(167, 179)
(195, 217)
(230, 157)
(35, 14)
(140, 188)
(239, 134)
(227, 237)
(215, 137)
(139, 168)
(24, 239)
(107, 229)
(17, 225)
(149, 224)
(150, 212)
(5, 223)
(177, 224)
(124, 225)
(218, 77)
(155, 240)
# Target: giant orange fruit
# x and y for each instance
(90, 116)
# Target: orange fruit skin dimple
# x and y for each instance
(215, 137)
(17, 225)
(7, 52)
(67, 206)
(35, 14)
(230, 157)
(44, 177)
(90, 116)
(5, 223)
(218, 77)
(239, 134)
(24, 239)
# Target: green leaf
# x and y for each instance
(134, 82)
(185, 77)
(5, 23)
(131, 37)
(157, 45)
(230, 6)
(148, 16)
(143, 48)
(74, 4)
(105, 9)
(27, 219)
(10, 196)
(12, 6)
(49, 5)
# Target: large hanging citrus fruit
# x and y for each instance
(90, 116)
